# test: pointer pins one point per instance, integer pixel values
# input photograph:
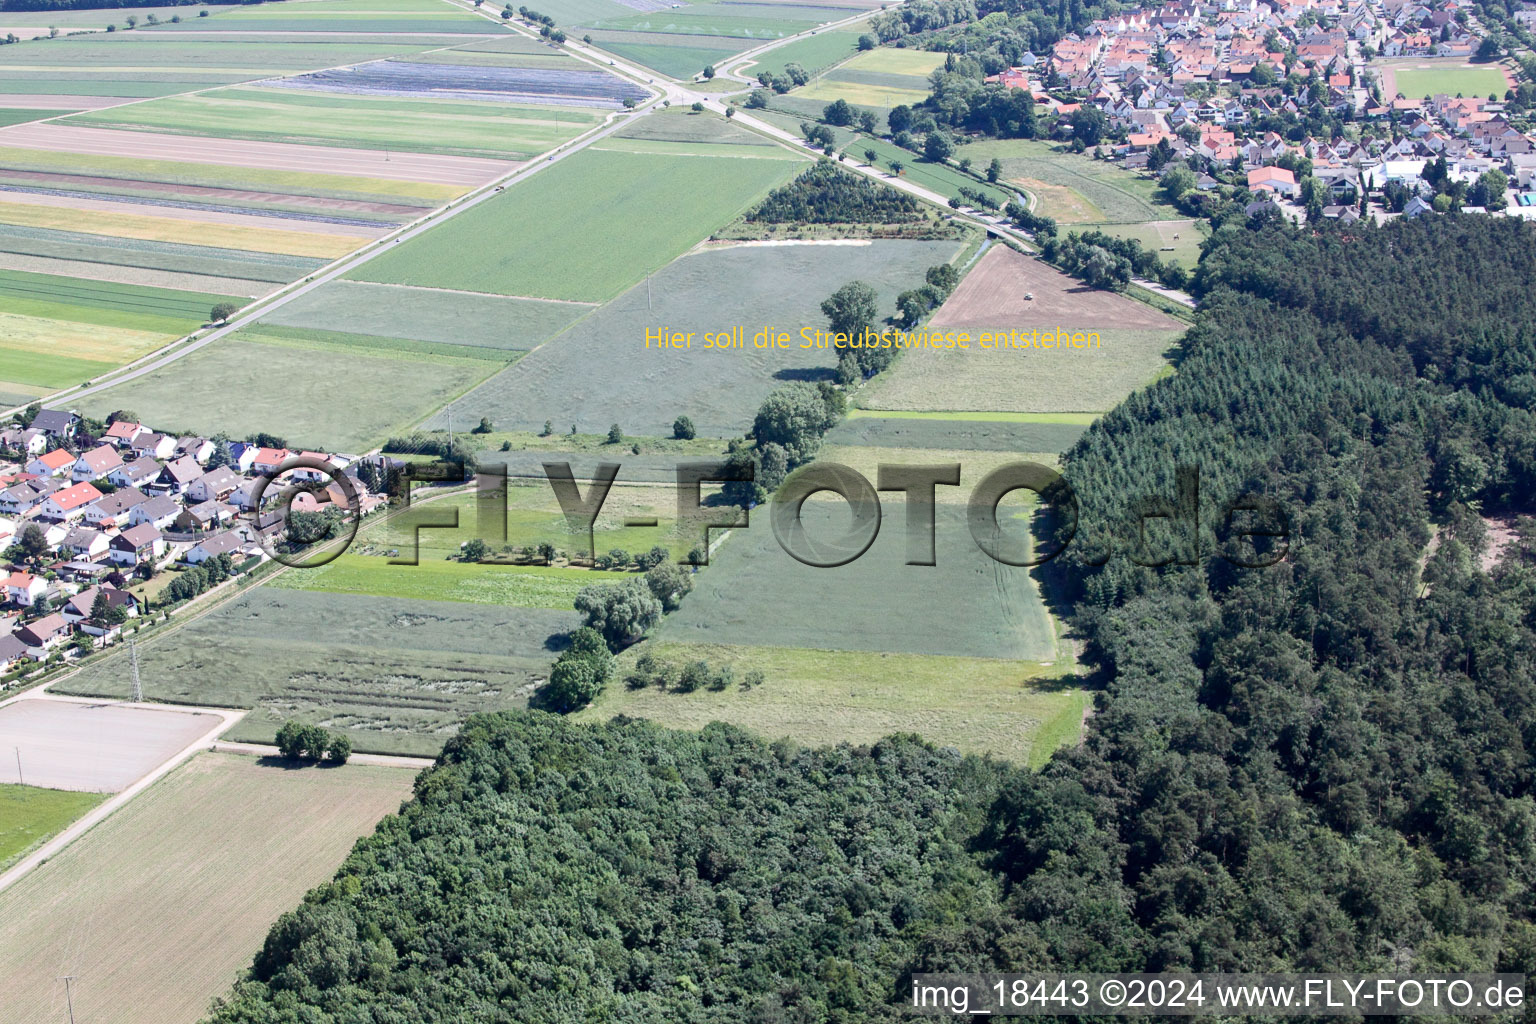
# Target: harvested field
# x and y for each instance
(967, 605)
(1024, 380)
(1017, 710)
(423, 167)
(973, 435)
(92, 748)
(600, 370)
(668, 204)
(429, 314)
(342, 393)
(196, 869)
(573, 84)
(992, 296)
(398, 675)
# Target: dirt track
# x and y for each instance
(446, 170)
(992, 295)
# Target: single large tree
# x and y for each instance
(851, 308)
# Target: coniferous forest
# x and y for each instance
(1323, 764)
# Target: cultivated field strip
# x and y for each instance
(197, 867)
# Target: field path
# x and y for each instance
(225, 719)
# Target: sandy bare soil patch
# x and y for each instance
(94, 748)
(993, 295)
(447, 170)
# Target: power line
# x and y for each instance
(138, 687)
(69, 996)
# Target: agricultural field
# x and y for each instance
(327, 389)
(177, 868)
(1021, 711)
(396, 674)
(967, 605)
(497, 131)
(1073, 188)
(30, 815)
(943, 431)
(58, 331)
(814, 53)
(677, 56)
(1418, 77)
(599, 371)
(568, 82)
(391, 17)
(92, 748)
(429, 314)
(1132, 347)
(669, 203)
(880, 78)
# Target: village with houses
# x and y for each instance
(1231, 90)
(94, 517)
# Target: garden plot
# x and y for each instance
(601, 372)
(91, 748)
(398, 675)
(575, 85)
(156, 910)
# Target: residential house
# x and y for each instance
(111, 511)
(70, 503)
(214, 485)
(268, 459)
(177, 474)
(123, 434)
(84, 543)
(95, 464)
(1273, 179)
(26, 441)
(77, 610)
(158, 512)
(137, 544)
(242, 454)
(205, 515)
(54, 463)
(55, 422)
(27, 495)
(23, 588)
(43, 635)
(153, 446)
(226, 543)
(140, 473)
(12, 651)
(199, 449)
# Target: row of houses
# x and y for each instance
(124, 501)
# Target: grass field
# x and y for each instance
(397, 674)
(814, 53)
(957, 433)
(457, 128)
(667, 205)
(1085, 190)
(436, 579)
(968, 605)
(196, 869)
(600, 372)
(128, 306)
(314, 388)
(678, 56)
(1020, 711)
(1182, 237)
(428, 314)
(29, 816)
(1416, 78)
(21, 115)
